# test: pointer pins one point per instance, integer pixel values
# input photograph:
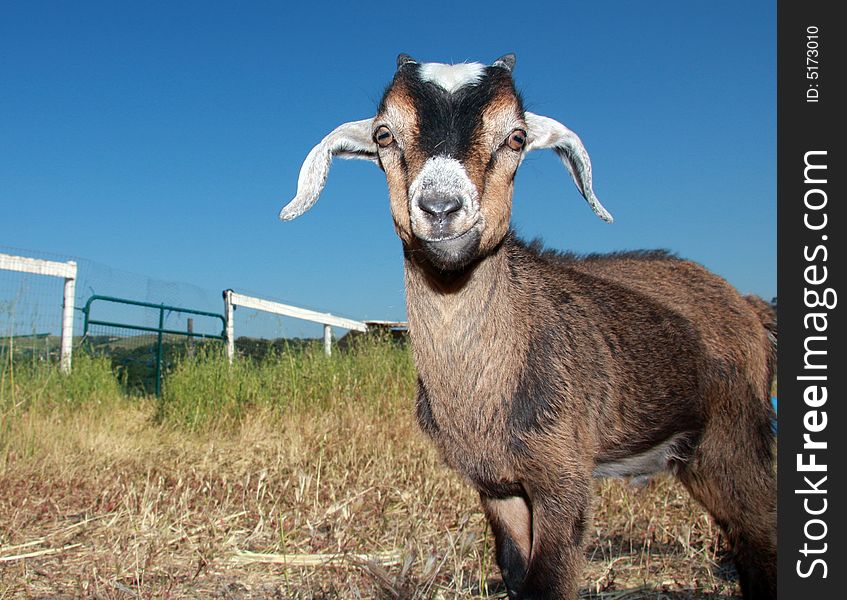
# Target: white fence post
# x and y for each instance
(65, 270)
(328, 340)
(68, 321)
(230, 326)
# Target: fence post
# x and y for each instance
(68, 321)
(328, 340)
(230, 326)
(159, 355)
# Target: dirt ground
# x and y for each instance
(329, 504)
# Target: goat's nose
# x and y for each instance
(440, 206)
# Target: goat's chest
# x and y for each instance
(471, 438)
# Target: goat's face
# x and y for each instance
(450, 139)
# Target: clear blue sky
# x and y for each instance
(162, 138)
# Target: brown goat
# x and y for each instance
(538, 370)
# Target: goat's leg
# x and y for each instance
(732, 474)
(559, 516)
(511, 523)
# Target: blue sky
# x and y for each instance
(163, 138)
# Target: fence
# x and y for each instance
(27, 298)
(66, 271)
(144, 335)
(158, 332)
(233, 299)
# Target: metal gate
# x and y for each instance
(152, 335)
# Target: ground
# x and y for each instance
(102, 496)
(138, 511)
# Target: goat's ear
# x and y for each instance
(544, 132)
(350, 140)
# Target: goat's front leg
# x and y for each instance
(560, 510)
(511, 523)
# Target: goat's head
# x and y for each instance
(450, 139)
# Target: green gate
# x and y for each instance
(159, 332)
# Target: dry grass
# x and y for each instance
(342, 500)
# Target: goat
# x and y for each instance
(538, 369)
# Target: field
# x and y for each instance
(294, 476)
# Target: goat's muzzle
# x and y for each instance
(444, 211)
(455, 252)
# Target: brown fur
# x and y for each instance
(400, 110)
(636, 348)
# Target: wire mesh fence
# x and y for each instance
(31, 321)
(30, 316)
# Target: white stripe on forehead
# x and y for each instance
(452, 77)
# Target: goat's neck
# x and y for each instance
(464, 330)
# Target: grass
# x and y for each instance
(205, 392)
(297, 476)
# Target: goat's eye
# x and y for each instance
(516, 139)
(383, 136)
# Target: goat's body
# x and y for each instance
(539, 369)
(632, 344)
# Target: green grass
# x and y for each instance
(37, 386)
(205, 392)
